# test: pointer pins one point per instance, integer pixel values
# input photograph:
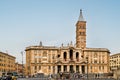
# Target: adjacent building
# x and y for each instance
(70, 58)
(115, 62)
(19, 68)
(7, 62)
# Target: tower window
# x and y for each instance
(82, 27)
(82, 33)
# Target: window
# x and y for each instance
(90, 67)
(49, 67)
(44, 54)
(35, 67)
(71, 54)
(39, 67)
(65, 56)
(65, 68)
(95, 55)
(103, 67)
(58, 55)
(35, 60)
(39, 60)
(77, 56)
(99, 67)
(77, 68)
(95, 61)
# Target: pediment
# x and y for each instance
(58, 62)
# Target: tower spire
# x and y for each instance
(81, 16)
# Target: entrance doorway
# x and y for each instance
(59, 68)
(83, 69)
(71, 69)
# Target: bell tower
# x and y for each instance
(81, 32)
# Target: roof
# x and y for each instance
(7, 54)
(96, 49)
(81, 16)
(115, 54)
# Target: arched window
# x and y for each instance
(95, 55)
(65, 56)
(77, 56)
(71, 54)
(44, 54)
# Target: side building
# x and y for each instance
(7, 62)
(70, 58)
(115, 62)
(19, 68)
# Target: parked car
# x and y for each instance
(4, 76)
(9, 76)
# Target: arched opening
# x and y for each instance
(77, 68)
(44, 54)
(65, 56)
(71, 69)
(83, 69)
(71, 54)
(58, 56)
(59, 69)
(65, 68)
(77, 56)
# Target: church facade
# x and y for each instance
(70, 58)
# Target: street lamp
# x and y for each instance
(53, 66)
(22, 63)
(87, 67)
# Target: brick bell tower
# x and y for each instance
(81, 32)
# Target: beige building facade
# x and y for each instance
(7, 62)
(70, 58)
(19, 68)
(115, 61)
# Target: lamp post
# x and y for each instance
(87, 67)
(53, 66)
(22, 63)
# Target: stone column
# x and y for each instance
(74, 55)
(56, 70)
(68, 58)
(74, 68)
(85, 68)
(68, 68)
(61, 68)
(52, 69)
(80, 69)
(62, 55)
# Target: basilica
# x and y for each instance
(71, 58)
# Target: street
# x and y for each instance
(32, 79)
(62, 79)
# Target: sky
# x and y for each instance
(25, 23)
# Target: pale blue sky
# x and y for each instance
(27, 22)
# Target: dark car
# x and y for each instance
(4, 76)
(9, 76)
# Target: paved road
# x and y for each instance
(58, 79)
(32, 79)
